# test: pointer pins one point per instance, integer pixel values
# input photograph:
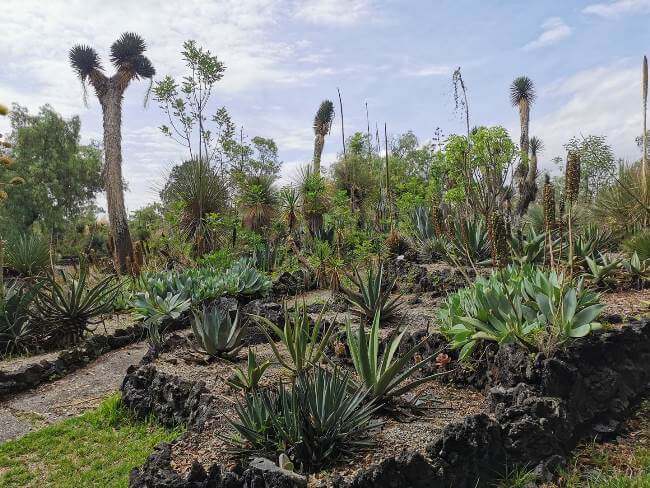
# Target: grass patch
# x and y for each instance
(99, 448)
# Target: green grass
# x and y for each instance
(99, 448)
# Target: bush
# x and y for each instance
(28, 254)
(16, 325)
(320, 418)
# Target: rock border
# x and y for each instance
(67, 361)
(540, 408)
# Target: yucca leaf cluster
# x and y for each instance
(372, 295)
(322, 416)
(65, 307)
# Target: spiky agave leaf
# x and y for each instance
(84, 60)
(126, 49)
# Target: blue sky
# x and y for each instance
(284, 56)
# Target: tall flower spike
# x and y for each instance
(572, 176)
(548, 197)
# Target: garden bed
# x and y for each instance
(537, 409)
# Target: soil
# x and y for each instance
(70, 396)
(627, 304)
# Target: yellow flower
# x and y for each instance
(3, 195)
(4, 110)
(16, 180)
(6, 161)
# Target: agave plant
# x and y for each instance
(64, 310)
(371, 297)
(28, 254)
(525, 305)
(304, 341)
(528, 248)
(16, 327)
(602, 272)
(158, 312)
(563, 319)
(638, 270)
(217, 333)
(242, 279)
(249, 379)
(317, 421)
(383, 376)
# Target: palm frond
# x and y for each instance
(143, 67)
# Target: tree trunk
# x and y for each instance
(112, 110)
(522, 169)
(319, 143)
(529, 188)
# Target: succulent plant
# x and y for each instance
(372, 295)
(216, 332)
(249, 379)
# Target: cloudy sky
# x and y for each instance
(284, 56)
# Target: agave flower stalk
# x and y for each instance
(572, 188)
(549, 215)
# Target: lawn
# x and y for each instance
(99, 448)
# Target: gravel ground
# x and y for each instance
(70, 396)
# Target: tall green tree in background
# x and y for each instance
(322, 125)
(597, 163)
(522, 96)
(62, 175)
(131, 64)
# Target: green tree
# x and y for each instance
(131, 64)
(62, 176)
(597, 163)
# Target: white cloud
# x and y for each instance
(424, 71)
(554, 30)
(334, 12)
(599, 101)
(617, 8)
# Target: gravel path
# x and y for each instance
(69, 396)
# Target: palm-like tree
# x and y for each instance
(522, 95)
(529, 186)
(131, 64)
(322, 125)
(259, 202)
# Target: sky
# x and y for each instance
(283, 57)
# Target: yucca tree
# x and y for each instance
(131, 64)
(522, 96)
(259, 201)
(322, 125)
(529, 186)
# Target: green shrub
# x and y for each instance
(322, 417)
(216, 332)
(383, 376)
(28, 254)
